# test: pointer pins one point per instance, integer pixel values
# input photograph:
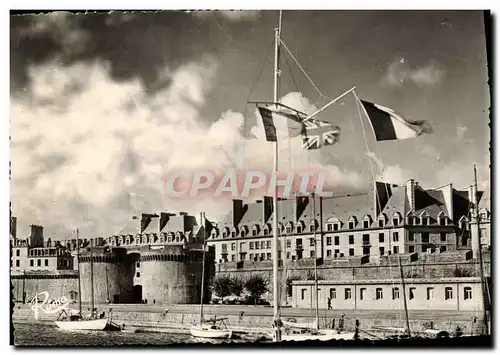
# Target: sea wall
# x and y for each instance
(57, 285)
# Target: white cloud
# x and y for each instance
(391, 173)
(399, 72)
(90, 152)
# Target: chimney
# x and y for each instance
(301, 203)
(267, 208)
(410, 194)
(145, 220)
(164, 218)
(36, 236)
(238, 211)
(448, 199)
(13, 227)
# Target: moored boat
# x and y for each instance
(83, 324)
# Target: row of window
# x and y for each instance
(379, 293)
(334, 226)
(62, 262)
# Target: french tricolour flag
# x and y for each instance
(388, 125)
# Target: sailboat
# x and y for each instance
(312, 331)
(212, 328)
(77, 321)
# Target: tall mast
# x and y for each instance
(276, 300)
(404, 295)
(479, 253)
(79, 281)
(315, 265)
(204, 224)
(92, 275)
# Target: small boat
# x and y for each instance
(211, 331)
(83, 324)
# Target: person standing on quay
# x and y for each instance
(329, 303)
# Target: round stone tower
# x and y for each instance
(172, 275)
(113, 274)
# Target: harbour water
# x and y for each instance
(43, 335)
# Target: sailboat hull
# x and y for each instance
(90, 324)
(207, 332)
(320, 336)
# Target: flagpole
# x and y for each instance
(276, 303)
(310, 117)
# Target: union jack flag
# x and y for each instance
(319, 134)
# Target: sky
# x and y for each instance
(105, 106)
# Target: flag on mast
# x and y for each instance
(319, 134)
(388, 125)
(270, 116)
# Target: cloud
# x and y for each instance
(399, 72)
(461, 130)
(391, 173)
(90, 152)
(231, 15)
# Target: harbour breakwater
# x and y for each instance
(258, 319)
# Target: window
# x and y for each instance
(395, 249)
(467, 293)
(362, 293)
(329, 252)
(366, 239)
(412, 293)
(311, 254)
(381, 251)
(442, 221)
(351, 239)
(268, 243)
(31, 262)
(251, 245)
(289, 229)
(416, 220)
(381, 237)
(328, 240)
(262, 256)
(17, 263)
(233, 234)
(242, 234)
(329, 227)
(298, 243)
(269, 256)
(425, 237)
(347, 293)
(46, 262)
(250, 257)
(288, 255)
(312, 227)
(442, 248)
(335, 226)
(443, 237)
(411, 237)
(233, 246)
(257, 245)
(430, 293)
(395, 221)
(395, 237)
(311, 242)
(424, 221)
(395, 293)
(254, 232)
(351, 251)
(366, 224)
(379, 293)
(337, 252)
(351, 225)
(366, 250)
(299, 229)
(263, 245)
(448, 293)
(39, 262)
(288, 243)
(138, 274)
(380, 222)
(233, 257)
(242, 246)
(17, 252)
(303, 293)
(224, 248)
(410, 221)
(411, 249)
(333, 293)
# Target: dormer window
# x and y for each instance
(351, 225)
(254, 232)
(366, 224)
(416, 220)
(380, 222)
(242, 233)
(267, 230)
(288, 229)
(233, 234)
(312, 228)
(224, 234)
(299, 229)
(395, 221)
(336, 226)
(329, 227)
